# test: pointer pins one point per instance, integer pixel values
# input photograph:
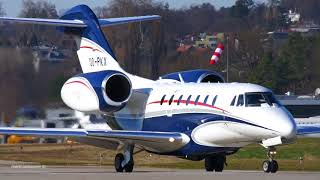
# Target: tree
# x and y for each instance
(292, 64)
(264, 73)
(16, 76)
(37, 33)
(201, 17)
(2, 11)
(315, 64)
(38, 9)
(138, 46)
(274, 15)
(242, 8)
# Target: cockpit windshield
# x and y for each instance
(255, 99)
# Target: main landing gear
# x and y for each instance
(124, 162)
(215, 162)
(271, 165)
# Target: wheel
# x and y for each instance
(129, 167)
(209, 163)
(274, 166)
(215, 163)
(118, 162)
(266, 166)
(220, 160)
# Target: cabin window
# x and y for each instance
(240, 100)
(233, 101)
(171, 99)
(214, 100)
(162, 100)
(179, 100)
(197, 100)
(206, 99)
(188, 100)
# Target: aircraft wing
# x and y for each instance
(308, 131)
(153, 141)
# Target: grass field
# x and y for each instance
(249, 158)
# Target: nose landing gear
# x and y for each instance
(271, 165)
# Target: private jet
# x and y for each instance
(193, 114)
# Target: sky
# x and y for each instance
(13, 7)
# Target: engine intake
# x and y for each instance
(196, 76)
(106, 91)
(117, 88)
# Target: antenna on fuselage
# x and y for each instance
(181, 79)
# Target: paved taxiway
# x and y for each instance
(98, 173)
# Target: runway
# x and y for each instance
(34, 172)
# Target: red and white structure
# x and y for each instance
(217, 53)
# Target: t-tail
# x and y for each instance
(103, 86)
(94, 51)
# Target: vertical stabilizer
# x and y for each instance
(94, 51)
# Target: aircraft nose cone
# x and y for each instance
(289, 128)
(290, 131)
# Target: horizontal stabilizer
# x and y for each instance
(124, 20)
(50, 22)
(153, 141)
(79, 23)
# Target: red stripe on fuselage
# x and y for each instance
(190, 102)
(88, 47)
(79, 82)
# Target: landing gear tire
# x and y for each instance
(215, 163)
(220, 161)
(124, 162)
(209, 164)
(270, 166)
(274, 166)
(266, 166)
(118, 162)
(129, 167)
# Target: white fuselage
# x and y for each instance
(235, 125)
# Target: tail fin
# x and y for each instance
(94, 51)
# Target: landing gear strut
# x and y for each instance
(124, 162)
(271, 165)
(215, 163)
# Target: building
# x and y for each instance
(301, 106)
(54, 117)
(209, 41)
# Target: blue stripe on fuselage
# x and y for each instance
(186, 122)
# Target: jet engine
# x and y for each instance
(106, 91)
(196, 76)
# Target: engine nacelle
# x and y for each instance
(196, 76)
(106, 91)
